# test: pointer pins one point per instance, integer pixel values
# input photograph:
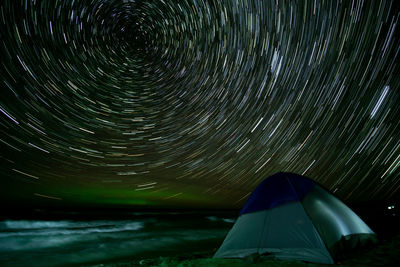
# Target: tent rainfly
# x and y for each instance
(291, 217)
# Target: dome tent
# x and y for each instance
(292, 217)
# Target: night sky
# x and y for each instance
(192, 103)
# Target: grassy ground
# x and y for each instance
(386, 253)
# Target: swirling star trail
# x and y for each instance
(194, 102)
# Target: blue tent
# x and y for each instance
(292, 217)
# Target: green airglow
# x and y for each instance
(121, 196)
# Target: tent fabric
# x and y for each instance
(301, 241)
(332, 218)
(276, 190)
(292, 217)
(287, 239)
(244, 237)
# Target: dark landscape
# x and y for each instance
(121, 237)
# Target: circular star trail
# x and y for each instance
(194, 102)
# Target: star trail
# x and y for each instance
(192, 103)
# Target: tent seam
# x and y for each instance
(308, 216)
(262, 234)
